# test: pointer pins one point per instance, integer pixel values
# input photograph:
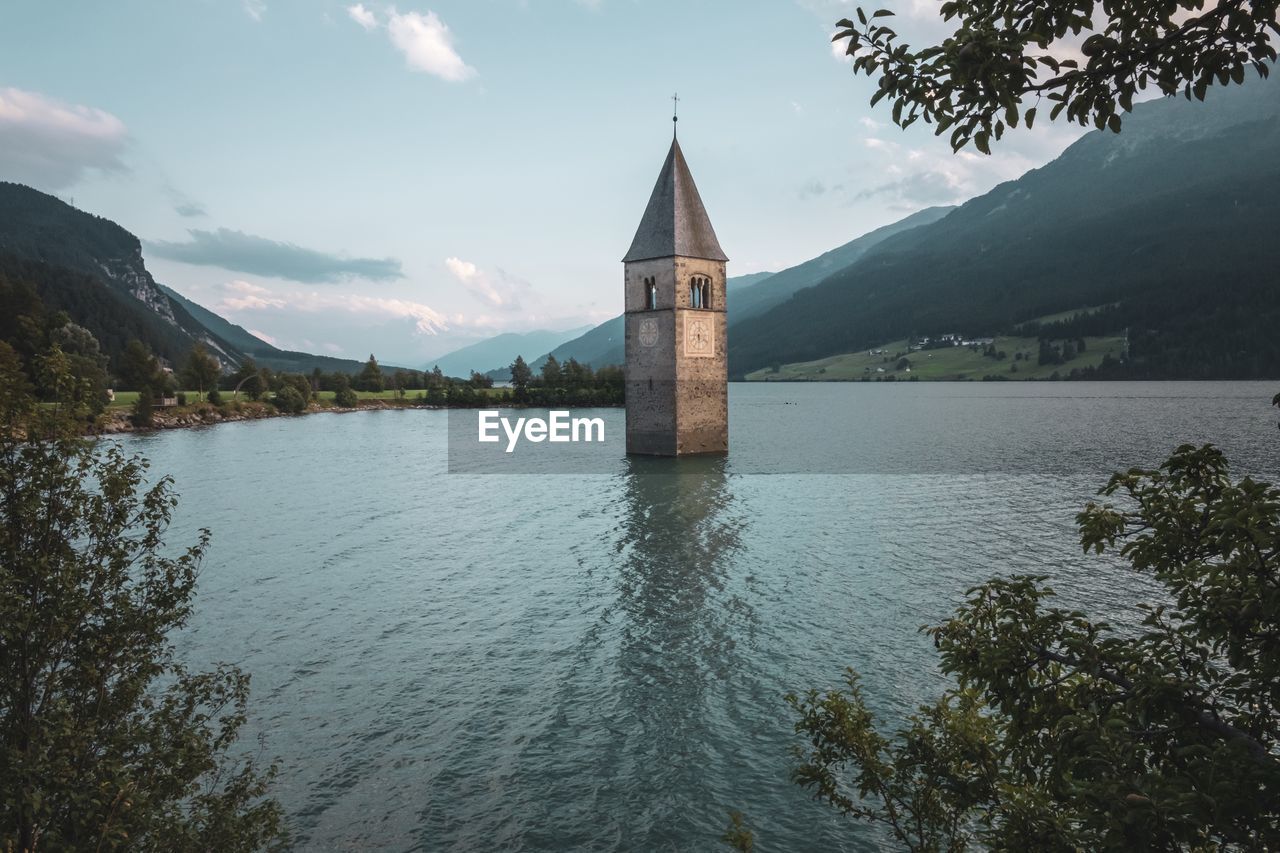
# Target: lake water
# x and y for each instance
(597, 659)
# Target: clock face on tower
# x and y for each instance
(648, 332)
(699, 337)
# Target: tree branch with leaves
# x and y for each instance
(1064, 733)
(1007, 56)
(107, 741)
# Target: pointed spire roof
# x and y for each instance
(675, 222)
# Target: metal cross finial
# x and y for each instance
(675, 111)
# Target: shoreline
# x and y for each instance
(116, 422)
(119, 421)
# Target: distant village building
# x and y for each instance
(677, 367)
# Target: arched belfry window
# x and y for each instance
(699, 292)
(650, 293)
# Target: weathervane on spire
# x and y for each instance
(675, 112)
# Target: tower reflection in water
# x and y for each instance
(640, 748)
(679, 621)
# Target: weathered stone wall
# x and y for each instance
(677, 364)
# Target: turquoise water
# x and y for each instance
(596, 660)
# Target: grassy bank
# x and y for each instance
(945, 364)
(126, 399)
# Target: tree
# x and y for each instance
(86, 362)
(370, 378)
(247, 378)
(289, 399)
(1004, 56)
(551, 372)
(342, 394)
(201, 370)
(299, 383)
(520, 376)
(143, 409)
(479, 380)
(138, 367)
(401, 380)
(106, 740)
(435, 379)
(1062, 733)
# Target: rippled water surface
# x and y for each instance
(447, 661)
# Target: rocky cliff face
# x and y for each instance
(39, 227)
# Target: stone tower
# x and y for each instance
(677, 371)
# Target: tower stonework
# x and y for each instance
(677, 371)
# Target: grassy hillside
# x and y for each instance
(946, 364)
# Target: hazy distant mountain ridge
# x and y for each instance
(497, 353)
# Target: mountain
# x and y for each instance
(779, 287)
(63, 253)
(601, 346)
(738, 283)
(497, 353)
(1170, 223)
(265, 354)
(92, 269)
(239, 337)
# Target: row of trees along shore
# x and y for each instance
(201, 372)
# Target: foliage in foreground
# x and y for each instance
(1004, 55)
(1066, 734)
(106, 741)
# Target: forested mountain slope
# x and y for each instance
(1173, 219)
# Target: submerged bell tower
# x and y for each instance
(677, 372)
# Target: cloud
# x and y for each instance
(362, 16)
(245, 296)
(248, 297)
(923, 188)
(501, 290)
(840, 50)
(812, 188)
(331, 347)
(930, 173)
(240, 252)
(50, 144)
(427, 45)
(255, 9)
(184, 205)
(263, 336)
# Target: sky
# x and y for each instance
(407, 178)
